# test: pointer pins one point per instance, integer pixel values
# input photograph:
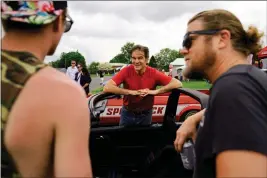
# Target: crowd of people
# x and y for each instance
(45, 121)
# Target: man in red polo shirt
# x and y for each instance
(140, 82)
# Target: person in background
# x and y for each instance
(101, 75)
(140, 82)
(72, 70)
(79, 73)
(231, 139)
(85, 80)
(45, 127)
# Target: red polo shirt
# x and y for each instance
(132, 81)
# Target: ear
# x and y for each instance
(225, 38)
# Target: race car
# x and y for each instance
(187, 107)
(139, 151)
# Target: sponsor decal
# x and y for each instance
(158, 110)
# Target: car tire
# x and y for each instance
(187, 114)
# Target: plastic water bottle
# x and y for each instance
(188, 155)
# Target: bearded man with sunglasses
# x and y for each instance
(44, 127)
(231, 139)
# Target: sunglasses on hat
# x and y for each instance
(187, 42)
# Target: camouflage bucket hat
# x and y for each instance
(32, 12)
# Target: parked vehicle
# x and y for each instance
(139, 151)
(187, 106)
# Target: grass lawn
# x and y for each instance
(196, 85)
(98, 90)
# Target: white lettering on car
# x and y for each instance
(158, 110)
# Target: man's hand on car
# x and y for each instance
(187, 130)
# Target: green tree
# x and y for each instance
(120, 58)
(65, 59)
(125, 55)
(165, 57)
(126, 50)
(55, 64)
(93, 67)
(152, 62)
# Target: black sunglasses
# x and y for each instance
(68, 23)
(187, 42)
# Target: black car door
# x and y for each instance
(137, 151)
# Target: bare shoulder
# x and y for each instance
(58, 89)
(49, 105)
(53, 94)
(54, 81)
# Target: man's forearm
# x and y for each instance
(116, 90)
(173, 84)
(85, 85)
(199, 116)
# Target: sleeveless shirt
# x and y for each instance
(16, 69)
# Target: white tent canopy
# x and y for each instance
(181, 67)
(178, 62)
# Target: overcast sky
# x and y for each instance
(101, 28)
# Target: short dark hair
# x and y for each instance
(141, 48)
(14, 25)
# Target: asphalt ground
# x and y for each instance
(95, 83)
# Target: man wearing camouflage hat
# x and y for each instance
(45, 128)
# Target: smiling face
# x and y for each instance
(138, 60)
(200, 56)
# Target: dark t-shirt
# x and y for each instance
(85, 79)
(235, 119)
(101, 74)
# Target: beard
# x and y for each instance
(197, 70)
